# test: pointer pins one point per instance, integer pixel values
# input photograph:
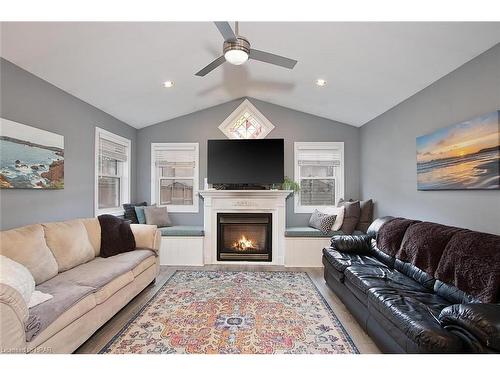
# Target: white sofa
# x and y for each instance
(87, 289)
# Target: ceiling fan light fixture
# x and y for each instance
(237, 51)
(236, 56)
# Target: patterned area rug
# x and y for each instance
(234, 312)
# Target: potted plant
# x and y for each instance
(289, 184)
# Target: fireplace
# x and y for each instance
(244, 237)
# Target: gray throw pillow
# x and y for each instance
(366, 216)
(351, 216)
(321, 221)
(157, 216)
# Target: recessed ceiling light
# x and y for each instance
(168, 84)
(321, 82)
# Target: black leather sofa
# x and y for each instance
(404, 309)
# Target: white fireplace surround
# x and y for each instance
(244, 201)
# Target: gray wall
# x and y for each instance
(388, 150)
(30, 100)
(289, 124)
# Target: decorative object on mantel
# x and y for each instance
(289, 184)
(31, 158)
(213, 312)
(464, 156)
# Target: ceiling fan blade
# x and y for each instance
(214, 64)
(225, 30)
(271, 58)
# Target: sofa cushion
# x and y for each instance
(340, 261)
(71, 286)
(364, 278)
(415, 273)
(452, 293)
(94, 232)
(103, 293)
(129, 213)
(69, 242)
(26, 245)
(415, 313)
(116, 236)
(311, 232)
(352, 213)
(65, 294)
(143, 266)
(366, 215)
(183, 231)
(157, 216)
(322, 221)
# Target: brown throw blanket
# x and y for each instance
(391, 235)
(471, 262)
(116, 236)
(424, 243)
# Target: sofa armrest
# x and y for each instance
(13, 317)
(482, 320)
(146, 237)
(359, 244)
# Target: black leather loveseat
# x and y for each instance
(407, 309)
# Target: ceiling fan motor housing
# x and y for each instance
(241, 44)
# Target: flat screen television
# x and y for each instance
(248, 161)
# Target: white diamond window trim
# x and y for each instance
(246, 122)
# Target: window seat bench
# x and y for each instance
(304, 246)
(182, 231)
(182, 245)
(312, 232)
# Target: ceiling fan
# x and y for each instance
(237, 51)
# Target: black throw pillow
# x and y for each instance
(116, 236)
(130, 211)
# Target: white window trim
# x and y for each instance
(339, 188)
(246, 106)
(125, 180)
(155, 189)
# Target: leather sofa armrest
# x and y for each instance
(13, 318)
(359, 244)
(482, 320)
(146, 237)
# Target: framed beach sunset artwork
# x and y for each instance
(463, 156)
(30, 158)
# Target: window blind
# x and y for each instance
(112, 150)
(179, 157)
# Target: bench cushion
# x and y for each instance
(312, 232)
(182, 230)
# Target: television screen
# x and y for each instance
(248, 161)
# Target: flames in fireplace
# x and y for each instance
(243, 244)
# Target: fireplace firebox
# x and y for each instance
(244, 237)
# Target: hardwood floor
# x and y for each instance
(113, 326)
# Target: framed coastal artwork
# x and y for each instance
(30, 158)
(463, 156)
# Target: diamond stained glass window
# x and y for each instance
(246, 127)
(246, 122)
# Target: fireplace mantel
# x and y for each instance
(271, 201)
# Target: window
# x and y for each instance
(319, 170)
(246, 122)
(174, 176)
(112, 172)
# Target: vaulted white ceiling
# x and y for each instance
(120, 67)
